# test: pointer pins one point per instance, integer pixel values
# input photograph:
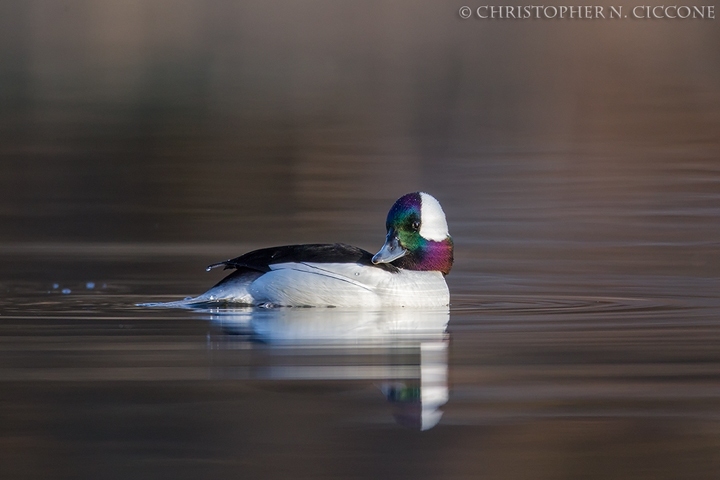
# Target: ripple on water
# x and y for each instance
(571, 311)
(557, 304)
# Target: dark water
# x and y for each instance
(578, 166)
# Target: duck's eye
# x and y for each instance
(416, 226)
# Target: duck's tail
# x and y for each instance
(189, 302)
(230, 291)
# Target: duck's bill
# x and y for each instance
(389, 252)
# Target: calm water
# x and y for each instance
(578, 166)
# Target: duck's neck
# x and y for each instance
(428, 256)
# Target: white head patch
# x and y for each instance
(433, 225)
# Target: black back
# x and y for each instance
(260, 260)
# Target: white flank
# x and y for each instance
(433, 225)
(348, 285)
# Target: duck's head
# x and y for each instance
(417, 235)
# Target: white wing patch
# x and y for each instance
(320, 284)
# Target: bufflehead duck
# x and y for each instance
(408, 270)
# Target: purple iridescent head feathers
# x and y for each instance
(417, 235)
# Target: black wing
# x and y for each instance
(260, 260)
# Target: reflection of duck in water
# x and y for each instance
(408, 270)
(417, 402)
(404, 350)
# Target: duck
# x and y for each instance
(408, 271)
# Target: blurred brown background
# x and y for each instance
(182, 120)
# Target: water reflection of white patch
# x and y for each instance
(404, 350)
(419, 407)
